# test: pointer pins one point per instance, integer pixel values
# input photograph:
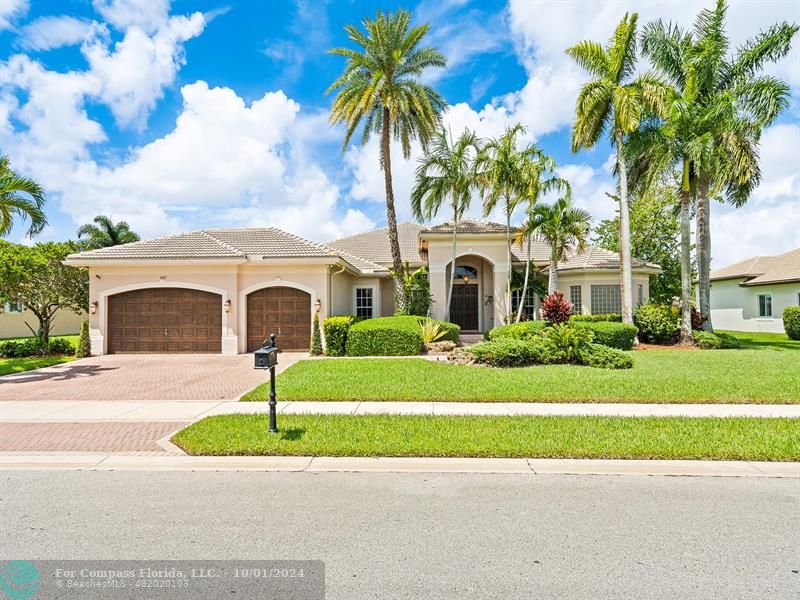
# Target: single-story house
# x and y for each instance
(225, 290)
(751, 294)
(14, 316)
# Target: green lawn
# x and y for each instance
(484, 436)
(72, 338)
(765, 341)
(18, 365)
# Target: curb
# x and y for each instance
(521, 466)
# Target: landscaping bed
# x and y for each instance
(503, 437)
(18, 355)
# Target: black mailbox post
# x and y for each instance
(267, 358)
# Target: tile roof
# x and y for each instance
(468, 226)
(763, 269)
(599, 258)
(374, 245)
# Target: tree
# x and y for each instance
(655, 229)
(563, 226)
(106, 233)
(36, 276)
(381, 88)
(612, 100)
(447, 173)
(20, 197)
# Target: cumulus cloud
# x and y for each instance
(47, 33)
(10, 11)
(149, 15)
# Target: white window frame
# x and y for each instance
(577, 307)
(19, 308)
(767, 295)
(605, 298)
(375, 299)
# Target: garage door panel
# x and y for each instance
(281, 310)
(171, 320)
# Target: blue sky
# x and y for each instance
(201, 114)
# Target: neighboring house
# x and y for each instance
(751, 295)
(225, 290)
(14, 316)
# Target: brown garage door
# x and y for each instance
(171, 320)
(283, 311)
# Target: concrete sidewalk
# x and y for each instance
(532, 466)
(154, 411)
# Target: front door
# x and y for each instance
(464, 306)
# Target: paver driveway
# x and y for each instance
(142, 377)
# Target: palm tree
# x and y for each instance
(380, 87)
(106, 233)
(563, 226)
(20, 197)
(538, 179)
(501, 173)
(447, 171)
(613, 100)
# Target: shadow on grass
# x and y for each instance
(293, 434)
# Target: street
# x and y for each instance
(430, 535)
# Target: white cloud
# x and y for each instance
(10, 11)
(148, 15)
(47, 33)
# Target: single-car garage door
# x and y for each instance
(170, 320)
(283, 311)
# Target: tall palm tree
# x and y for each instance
(20, 197)
(563, 226)
(614, 101)
(106, 233)
(447, 172)
(501, 172)
(538, 179)
(381, 88)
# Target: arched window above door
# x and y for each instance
(466, 270)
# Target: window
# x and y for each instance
(529, 308)
(14, 307)
(639, 295)
(363, 302)
(765, 305)
(462, 270)
(605, 299)
(575, 299)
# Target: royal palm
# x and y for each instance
(105, 233)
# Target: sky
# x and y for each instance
(176, 116)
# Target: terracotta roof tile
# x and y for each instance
(763, 269)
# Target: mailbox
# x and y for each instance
(266, 357)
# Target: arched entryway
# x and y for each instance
(284, 311)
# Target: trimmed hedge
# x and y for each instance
(34, 347)
(385, 336)
(603, 357)
(452, 331)
(610, 317)
(657, 323)
(517, 331)
(716, 341)
(791, 322)
(614, 335)
(84, 347)
(336, 329)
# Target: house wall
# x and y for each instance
(735, 307)
(588, 278)
(65, 322)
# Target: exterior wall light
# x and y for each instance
(466, 278)
(317, 305)
(93, 307)
(227, 305)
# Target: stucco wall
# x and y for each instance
(736, 307)
(65, 322)
(588, 278)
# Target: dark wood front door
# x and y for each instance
(169, 320)
(464, 306)
(284, 311)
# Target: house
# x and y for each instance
(225, 290)
(751, 294)
(14, 316)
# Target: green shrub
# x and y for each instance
(613, 335)
(517, 331)
(35, 347)
(657, 323)
(336, 329)
(610, 317)
(503, 352)
(603, 357)
(452, 331)
(431, 331)
(84, 347)
(60, 346)
(791, 322)
(316, 337)
(569, 340)
(386, 336)
(716, 341)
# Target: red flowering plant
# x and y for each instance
(555, 309)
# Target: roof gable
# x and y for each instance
(763, 269)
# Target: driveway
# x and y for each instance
(142, 377)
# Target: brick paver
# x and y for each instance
(141, 377)
(84, 437)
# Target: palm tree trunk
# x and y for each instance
(626, 297)
(552, 280)
(703, 235)
(391, 217)
(525, 284)
(452, 269)
(508, 255)
(686, 263)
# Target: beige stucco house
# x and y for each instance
(750, 295)
(225, 290)
(14, 316)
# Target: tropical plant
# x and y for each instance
(20, 197)
(84, 347)
(381, 88)
(418, 291)
(563, 226)
(446, 173)
(316, 337)
(105, 233)
(432, 331)
(555, 309)
(615, 101)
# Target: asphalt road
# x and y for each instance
(430, 536)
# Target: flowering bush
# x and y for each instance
(556, 309)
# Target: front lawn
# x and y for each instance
(725, 376)
(72, 339)
(766, 341)
(484, 436)
(18, 365)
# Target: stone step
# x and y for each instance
(467, 339)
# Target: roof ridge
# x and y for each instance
(330, 251)
(225, 245)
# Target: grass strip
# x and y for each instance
(19, 365)
(484, 436)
